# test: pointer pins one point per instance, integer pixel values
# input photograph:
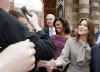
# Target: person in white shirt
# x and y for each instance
(50, 19)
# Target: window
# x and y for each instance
(60, 8)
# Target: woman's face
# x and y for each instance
(83, 28)
(59, 27)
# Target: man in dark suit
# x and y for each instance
(49, 27)
(45, 47)
(97, 37)
(95, 58)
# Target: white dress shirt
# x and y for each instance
(52, 31)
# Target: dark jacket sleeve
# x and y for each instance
(11, 31)
(44, 46)
(46, 30)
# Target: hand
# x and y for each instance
(45, 64)
(42, 63)
(51, 65)
(18, 57)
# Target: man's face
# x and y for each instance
(4, 4)
(50, 19)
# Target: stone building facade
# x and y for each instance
(74, 10)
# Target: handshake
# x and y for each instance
(18, 57)
(49, 65)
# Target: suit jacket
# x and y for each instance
(44, 47)
(49, 31)
(97, 35)
(46, 30)
(96, 58)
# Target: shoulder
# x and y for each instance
(96, 46)
(71, 41)
(46, 29)
(53, 37)
(97, 34)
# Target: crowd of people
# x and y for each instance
(54, 48)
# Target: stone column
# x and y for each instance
(75, 12)
(84, 8)
(68, 11)
(11, 4)
(42, 20)
(95, 13)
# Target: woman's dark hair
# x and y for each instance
(64, 23)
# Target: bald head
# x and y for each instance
(4, 4)
(50, 19)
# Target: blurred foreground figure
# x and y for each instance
(15, 56)
(18, 57)
(12, 59)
